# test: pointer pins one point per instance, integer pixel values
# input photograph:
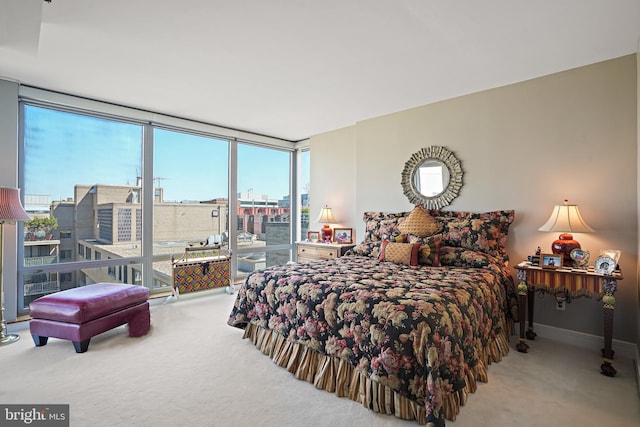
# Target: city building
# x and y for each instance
(103, 222)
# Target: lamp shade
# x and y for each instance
(10, 210)
(566, 219)
(10, 206)
(326, 216)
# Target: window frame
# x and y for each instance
(149, 120)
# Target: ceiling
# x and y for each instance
(292, 69)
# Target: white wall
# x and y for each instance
(527, 147)
(333, 177)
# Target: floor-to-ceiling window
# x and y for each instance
(191, 196)
(80, 175)
(264, 217)
(96, 182)
(304, 187)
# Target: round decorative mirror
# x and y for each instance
(432, 177)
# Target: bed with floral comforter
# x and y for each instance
(402, 339)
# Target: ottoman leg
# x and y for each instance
(140, 323)
(39, 340)
(81, 346)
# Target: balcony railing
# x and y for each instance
(40, 260)
(41, 288)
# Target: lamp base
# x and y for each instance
(563, 246)
(9, 339)
(326, 233)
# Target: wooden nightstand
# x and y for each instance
(574, 283)
(307, 251)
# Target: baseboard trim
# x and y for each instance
(593, 342)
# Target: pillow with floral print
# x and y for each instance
(368, 249)
(381, 225)
(461, 257)
(483, 232)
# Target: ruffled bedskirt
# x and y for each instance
(340, 377)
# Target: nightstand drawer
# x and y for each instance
(317, 252)
(311, 251)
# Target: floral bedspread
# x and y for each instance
(417, 330)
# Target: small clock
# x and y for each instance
(605, 265)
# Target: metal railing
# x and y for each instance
(41, 288)
(40, 260)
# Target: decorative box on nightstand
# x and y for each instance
(308, 251)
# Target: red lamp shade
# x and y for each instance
(566, 219)
(10, 211)
(10, 206)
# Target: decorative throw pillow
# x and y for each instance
(429, 251)
(400, 253)
(419, 223)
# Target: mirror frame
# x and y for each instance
(452, 163)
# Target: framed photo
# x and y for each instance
(550, 260)
(313, 236)
(580, 258)
(343, 235)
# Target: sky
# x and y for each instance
(64, 149)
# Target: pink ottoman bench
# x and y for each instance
(81, 313)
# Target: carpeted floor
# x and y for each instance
(192, 369)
